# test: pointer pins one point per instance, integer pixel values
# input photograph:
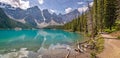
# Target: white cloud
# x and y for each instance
(68, 10)
(91, 4)
(17, 3)
(82, 9)
(41, 1)
(80, 2)
(52, 11)
(24, 4)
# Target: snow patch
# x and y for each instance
(52, 22)
(43, 16)
(44, 24)
(41, 25)
(82, 9)
(21, 20)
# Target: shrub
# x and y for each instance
(93, 55)
(99, 45)
(109, 31)
(118, 37)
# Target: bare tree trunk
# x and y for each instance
(90, 21)
(67, 56)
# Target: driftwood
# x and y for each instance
(68, 54)
(82, 47)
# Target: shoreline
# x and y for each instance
(46, 53)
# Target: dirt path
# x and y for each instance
(112, 47)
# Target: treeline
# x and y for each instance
(103, 15)
(77, 24)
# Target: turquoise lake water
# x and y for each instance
(34, 39)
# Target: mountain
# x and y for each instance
(48, 17)
(37, 17)
(69, 16)
(29, 15)
(7, 23)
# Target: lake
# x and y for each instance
(36, 40)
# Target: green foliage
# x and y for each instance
(93, 55)
(118, 37)
(88, 35)
(99, 45)
(109, 31)
(117, 24)
(99, 18)
(78, 24)
(110, 13)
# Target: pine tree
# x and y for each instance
(110, 13)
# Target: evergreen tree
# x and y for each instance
(110, 13)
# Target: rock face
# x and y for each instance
(35, 17)
(29, 15)
(68, 17)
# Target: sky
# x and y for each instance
(62, 6)
(57, 6)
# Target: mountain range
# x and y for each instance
(36, 17)
(7, 23)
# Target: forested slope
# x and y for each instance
(104, 15)
(7, 23)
